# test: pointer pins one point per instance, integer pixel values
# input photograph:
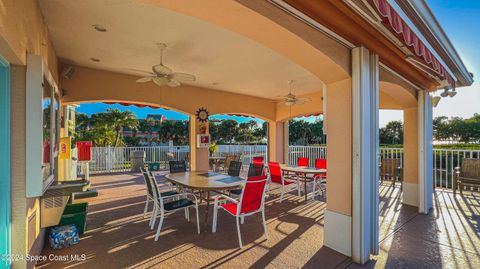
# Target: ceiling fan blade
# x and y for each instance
(160, 81)
(161, 69)
(144, 79)
(173, 83)
(304, 99)
(183, 76)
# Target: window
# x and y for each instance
(51, 132)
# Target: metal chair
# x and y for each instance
(234, 168)
(177, 166)
(180, 201)
(276, 176)
(391, 169)
(256, 170)
(252, 201)
(468, 174)
(320, 180)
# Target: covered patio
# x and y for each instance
(118, 235)
(349, 59)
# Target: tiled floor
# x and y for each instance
(118, 235)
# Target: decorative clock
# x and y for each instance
(202, 114)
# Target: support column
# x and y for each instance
(198, 156)
(276, 141)
(338, 214)
(425, 152)
(351, 218)
(410, 157)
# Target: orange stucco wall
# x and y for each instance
(410, 145)
(339, 143)
(22, 32)
(92, 85)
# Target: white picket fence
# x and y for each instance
(117, 159)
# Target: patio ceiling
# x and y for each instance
(220, 59)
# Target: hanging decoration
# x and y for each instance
(202, 114)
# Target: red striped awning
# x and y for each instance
(399, 27)
(132, 104)
(238, 115)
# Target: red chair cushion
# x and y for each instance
(302, 161)
(230, 207)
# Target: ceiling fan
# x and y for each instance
(291, 99)
(163, 75)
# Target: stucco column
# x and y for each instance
(277, 141)
(198, 156)
(410, 158)
(338, 215)
(351, 217)
(425, 152)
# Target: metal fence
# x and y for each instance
(246, 151)
(117, 159)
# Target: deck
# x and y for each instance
(118, 236)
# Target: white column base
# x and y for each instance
(338, 232)
(410, 194)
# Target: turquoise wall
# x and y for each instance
(4, 164)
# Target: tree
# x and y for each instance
(119, 120)
(392, 133)
(147, 126)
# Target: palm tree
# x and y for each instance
(119, 120)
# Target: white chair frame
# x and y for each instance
(240, 216)
(159, 208)
(294, 186)
(321, 183)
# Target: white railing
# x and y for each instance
(444, 163)
(246, 151)
(311, 152)
(117, 159)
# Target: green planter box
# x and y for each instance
(75, 214)
(154, 166)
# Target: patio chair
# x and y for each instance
(149, 180)
(234, 168)
(179, 201)
(391, 169)
(177, 166)
(276, 176)
(252, 201)
(303, 161)
(320, 180)
(257, 160)
(224, 165)
(468, 174)
(256, 170)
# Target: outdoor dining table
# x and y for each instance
(216, 160)
(307, 173)
(206, 182)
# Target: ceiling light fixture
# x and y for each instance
(99, 28)
(95, 60)
(435, 100)
(452, 93)
(445, 92)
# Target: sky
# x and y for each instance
(460, 20)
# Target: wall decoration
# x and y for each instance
(202, 114)
(203, 141)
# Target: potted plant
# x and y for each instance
(213, 148)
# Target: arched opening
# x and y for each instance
(243, 135)
(119, 128)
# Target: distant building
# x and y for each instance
(157, 117)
